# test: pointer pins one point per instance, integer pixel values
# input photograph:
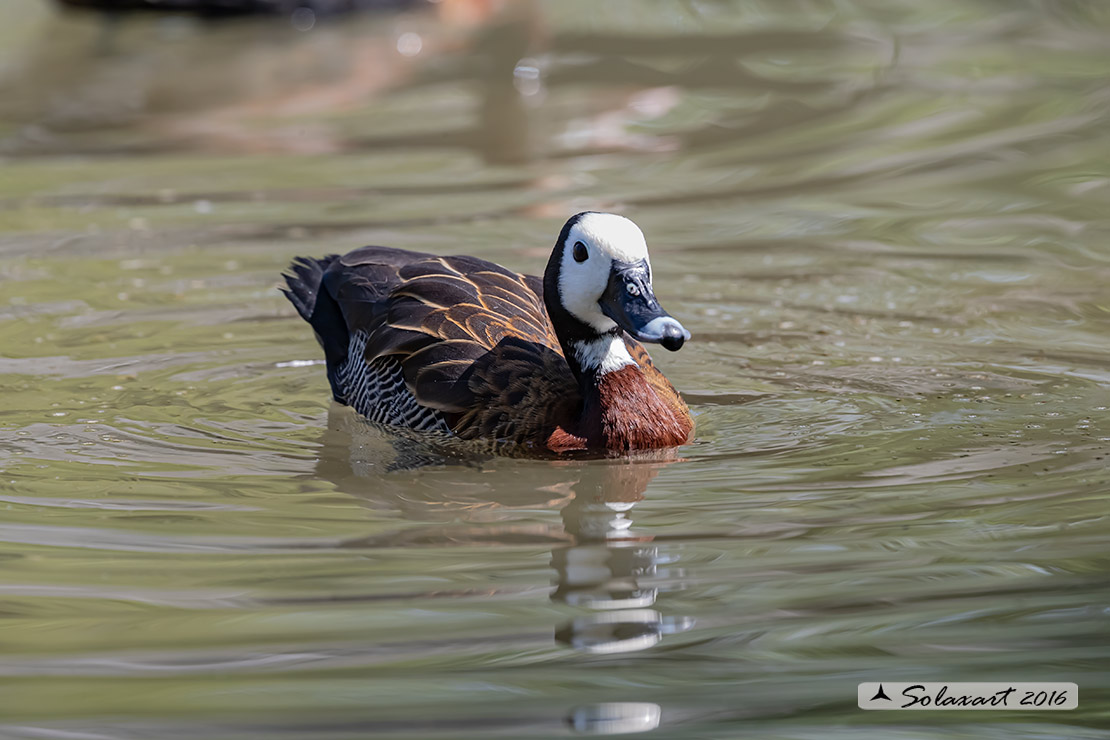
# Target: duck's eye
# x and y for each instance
(580, 252)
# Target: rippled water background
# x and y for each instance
(886, 224)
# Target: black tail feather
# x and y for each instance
(304, 283)
(305, 289)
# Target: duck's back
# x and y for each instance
(434, 343)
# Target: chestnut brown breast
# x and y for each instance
(635, 416)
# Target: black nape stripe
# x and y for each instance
(569, 328)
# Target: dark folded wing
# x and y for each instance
(472, 338)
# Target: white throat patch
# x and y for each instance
(603, 355)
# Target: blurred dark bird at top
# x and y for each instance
(245, 7)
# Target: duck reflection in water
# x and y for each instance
(609, 567)
(601, 563)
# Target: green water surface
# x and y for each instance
(887, 225)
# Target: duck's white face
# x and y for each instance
(605, 238)
(605, 282)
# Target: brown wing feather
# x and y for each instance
(521, 392)
(473, 339)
